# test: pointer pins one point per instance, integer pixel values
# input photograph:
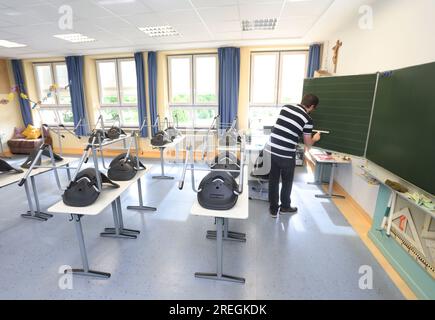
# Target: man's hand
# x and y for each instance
(316, 137)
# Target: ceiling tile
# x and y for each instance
(126, 8)
(167, 5)
(305, 8)
(228, 35)
(19, 17)
(213, 3)
(259, 11)
(226, 26)
(190, 29)
(145, 19)
(6, 35)
(83, 9)
(21, 3)
(44, 12)
(219, 14)
(112, 23)
(38, 31)
(180, 17)
(261, 1)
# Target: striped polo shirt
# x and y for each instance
(292, 122)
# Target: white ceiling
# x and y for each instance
(113, 23)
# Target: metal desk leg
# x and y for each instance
(121, 221)
(219, 274)
(227, 235)
(85, 271)
(32, 214)
(118, 231)
(162, 164)
(331, 182)
(140, 206)
(68, 172)
(318, 181)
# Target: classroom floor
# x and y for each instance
(314, 254)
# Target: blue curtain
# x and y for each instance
(152, 87)
(229, 71)
(313, 59)
(74, 66)
(141, 97)
(26, 112)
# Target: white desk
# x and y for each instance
(239, 211)
(334, 160)
(109, 196)
(11, 178)
(174, 143)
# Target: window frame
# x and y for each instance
(100, 92)
(56, 107)
(194, 81)
(53, 76)
(120, 84)
(119, 106)
(280, 70)
(278, 78)
(251, 80)
(278, 75)
(192, 106)
(191, 100)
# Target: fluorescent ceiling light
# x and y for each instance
(259, 24)
(10, 44)
(74, 37)
(159, 31)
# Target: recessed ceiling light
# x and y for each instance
(10, 44)
(74, 37)
(159, 31)
(259, 24)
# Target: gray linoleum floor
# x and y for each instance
(314, 254)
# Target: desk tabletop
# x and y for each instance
(108, 141)
(176, 141)
(239, 211)
(322, 157)
(10, 178)
(106, 197)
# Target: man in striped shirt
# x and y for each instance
(293, 122)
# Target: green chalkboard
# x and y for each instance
(402, 133)
(344, 110)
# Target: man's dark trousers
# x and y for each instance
(284, 168)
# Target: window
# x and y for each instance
(193, 89)
(55, 108)
(277, 78)
(118, 91)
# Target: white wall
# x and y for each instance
(402, 35)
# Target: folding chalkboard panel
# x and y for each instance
(402, 134)
(344, 110)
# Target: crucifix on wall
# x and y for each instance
(335, 48)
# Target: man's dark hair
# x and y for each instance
(310, 99)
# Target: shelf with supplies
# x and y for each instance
(381, 175)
